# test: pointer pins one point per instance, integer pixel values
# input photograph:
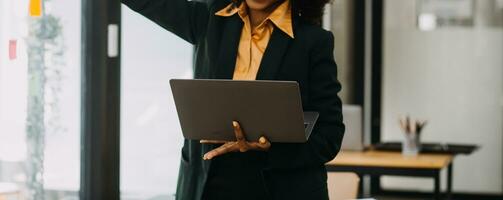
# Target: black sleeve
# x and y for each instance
(326, 138)
(186, 19)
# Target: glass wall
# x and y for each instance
(40, 99)
(151, 136)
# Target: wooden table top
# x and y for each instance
(373, 158)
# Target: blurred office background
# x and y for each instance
(439, 60)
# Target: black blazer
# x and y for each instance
(294, 171)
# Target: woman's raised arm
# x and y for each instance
(186, 19)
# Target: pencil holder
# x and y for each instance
(411, 144)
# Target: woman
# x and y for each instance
(257, 40)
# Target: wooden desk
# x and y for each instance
(394, 163)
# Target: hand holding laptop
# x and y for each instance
(241, 144)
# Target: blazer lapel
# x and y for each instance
(273, 56)
(229, 44)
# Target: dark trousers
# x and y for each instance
(236, 176)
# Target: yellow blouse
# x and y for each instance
(253, 43)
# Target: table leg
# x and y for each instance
(437, 186)
(449, 181)
(375, 185)
(361, 186)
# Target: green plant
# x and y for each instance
(45, 59)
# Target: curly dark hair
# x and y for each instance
(309, 10)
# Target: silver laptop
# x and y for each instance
(206, 109)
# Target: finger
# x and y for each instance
(262, 144)
(212, 141)
(263, 140)
(259, 146)
(226, 148)
(240, 136)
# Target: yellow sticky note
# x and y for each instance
(35, 8)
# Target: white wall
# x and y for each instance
(454, 79)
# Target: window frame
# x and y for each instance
(100, 109)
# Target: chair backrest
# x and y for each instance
(343, 185)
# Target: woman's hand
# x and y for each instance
(241, 144)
